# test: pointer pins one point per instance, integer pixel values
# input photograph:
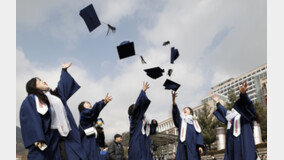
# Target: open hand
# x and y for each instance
(145, 86)
(107, 99)
(243, 88)
(65, 66)
(174, 95)
(215, 98)
(38, 144)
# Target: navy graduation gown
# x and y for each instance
(243, 146)
(35, 127)
(101, 139)
(87, 119)
(66, 87)
(148, 140)
(137, 149)
(192, 142)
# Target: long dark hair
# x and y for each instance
(31, 89)
(81, 106)
(130, 109)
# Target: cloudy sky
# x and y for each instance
(217, 39)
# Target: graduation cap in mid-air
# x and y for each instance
(171, 85)
(126, 49)
(174, 54)
(166, 43)
(155, 72)
(91, 19)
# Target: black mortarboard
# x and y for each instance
(171, 85)
(174, 54)
(166, 43)
(155, 72)
(125, 49)
(90, 17)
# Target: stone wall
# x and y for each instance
(260, 151)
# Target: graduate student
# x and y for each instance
(47, 122)
(88, 132)
(239, 139)
(139, 142)
(35, 119)
(190, 142)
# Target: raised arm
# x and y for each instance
(175, 111)
(67, 86)
(244, 105)
(221, 111)
(142, 102)
(96, 110)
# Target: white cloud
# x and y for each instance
(190, 26)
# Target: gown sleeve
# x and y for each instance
(199, 141)
(153, 128)
(92, 114)
(220, 113)
(67, 86)
(245, 107)
(141, 105)
(31, 123)
(176, 116)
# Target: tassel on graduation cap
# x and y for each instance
(142, 60)
(170, 71)
(110, 28)
(166, 43)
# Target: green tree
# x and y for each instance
(232, 97)
(261, 113)
(208, 124)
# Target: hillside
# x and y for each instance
(20, 148)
